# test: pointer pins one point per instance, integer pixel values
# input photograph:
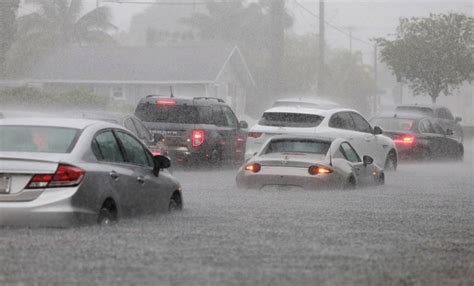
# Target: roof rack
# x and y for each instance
(209, 98)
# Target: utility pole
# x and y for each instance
(97, 3)
(376, 99)
(322, 45)
(350, 29)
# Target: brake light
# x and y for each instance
(254, 134)
(319, 170)
(166, 102)
(405, 139)
(253, 167)
(197, 137)
(65, 176)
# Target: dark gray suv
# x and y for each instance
(199, 129)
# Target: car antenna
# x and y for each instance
(171, 92)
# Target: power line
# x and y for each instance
(340, 30)
(168, 3)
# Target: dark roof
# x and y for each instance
(192, 63)
(401, 115)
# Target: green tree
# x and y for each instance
(8, 11)
(433, 54)
(58, 23)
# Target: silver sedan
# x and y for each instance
(310, 163)
(59, 172)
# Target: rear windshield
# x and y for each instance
(394, 124)
(187, 114)
(416, 109)
(290, 119)
(37, 139)
(297, 146)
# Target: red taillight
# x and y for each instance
(253, 167)
(65, 176)
(166, 102)
(319, 170)
(405, 139)
(254, 134)
(198, 137)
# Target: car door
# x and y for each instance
(114, 171)
(227, 128)
(432, 140)
(145, 188)
(361, 172)
(448, 146)
(344, 127)
(371, 145)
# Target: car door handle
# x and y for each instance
(114, 175)
(141, 180)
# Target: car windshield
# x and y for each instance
(416, 109)
(187, 114)
(297, 146)
(394, 124)
(290, 119)
(37, 139)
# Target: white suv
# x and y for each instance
(334, 123)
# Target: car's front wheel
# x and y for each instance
(391, 162)
(106, 217)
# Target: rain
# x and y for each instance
(236, 142)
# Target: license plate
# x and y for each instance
(5, 184)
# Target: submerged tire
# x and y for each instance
(350, 184)
(391, 162)
(380, 180)
(106, 217)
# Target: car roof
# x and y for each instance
(54, 122)
(308, 101)
(98, 115)
(432, 107)
(198, 100)
(307, 110)
(401, 115)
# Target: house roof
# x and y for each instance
(175, 64)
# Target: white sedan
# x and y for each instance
(309, 162)
(332, 122)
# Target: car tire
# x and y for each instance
(391, 162)
(460, 153)
(173, 206)
(350, 184)
(106, 217)
(380, 180)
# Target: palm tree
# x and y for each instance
(56, 24)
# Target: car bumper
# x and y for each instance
(52, 208)
(284, 176)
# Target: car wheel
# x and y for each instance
(380, 180)
(350, 184)
(173, 206)
(106, 217)
(391, 162)
(176, 203)
(460, 153)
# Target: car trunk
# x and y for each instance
(298, 160)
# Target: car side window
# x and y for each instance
(130, 126)
(342, 120)
(106, 148)
(218, 116)
(349, 153)
(360, 123)
(143, 133)
(230, 117)
(437, 128)
(426, 127)
(447, 114)
(134, 150)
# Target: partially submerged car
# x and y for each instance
(309, 162)
(419, 136)
(59, 172)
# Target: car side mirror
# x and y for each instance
(377, 130)
(157, 137)
(161, 162)
(243, 124)
(449, 132)
(458, 119)
(367, 160)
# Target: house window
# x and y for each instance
(118, 93)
